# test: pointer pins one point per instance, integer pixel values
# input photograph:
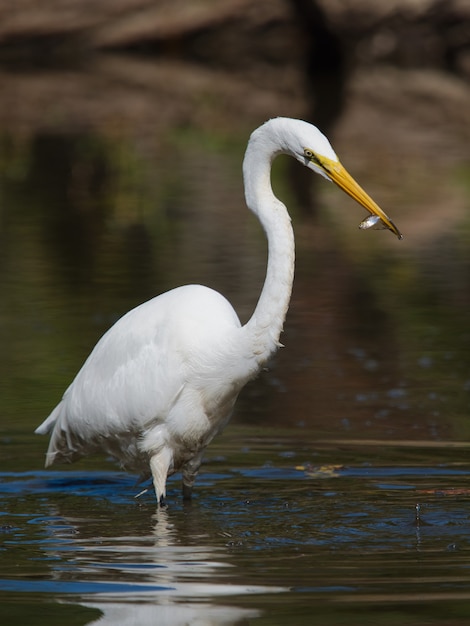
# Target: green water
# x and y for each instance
(339, 492)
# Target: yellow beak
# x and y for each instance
(339, 175)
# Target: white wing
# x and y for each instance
(151, 379)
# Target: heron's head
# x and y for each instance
(310, 146)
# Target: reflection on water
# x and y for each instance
(340, 489)
(258, 542)
(116, 613)
(152, 579)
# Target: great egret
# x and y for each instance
(164, 379)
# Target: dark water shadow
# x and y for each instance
(259, 538)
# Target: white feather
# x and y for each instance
(164, 379)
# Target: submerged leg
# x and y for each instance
(159, 465)
(190, 470)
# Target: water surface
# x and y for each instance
(276, 534)
(339, 492)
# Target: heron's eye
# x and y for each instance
(310, 155)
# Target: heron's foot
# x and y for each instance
(190, 471)
(162, 502)
(159, 464)
(187, 492)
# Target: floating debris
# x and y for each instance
(320, 471)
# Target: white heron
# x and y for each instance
(163, 381)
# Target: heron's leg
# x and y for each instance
(159, 465)
(190, 471)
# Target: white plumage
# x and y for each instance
(164, 379)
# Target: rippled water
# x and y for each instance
(339, 494)
(341, 536)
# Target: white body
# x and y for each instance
(152, 386)
(164, 379)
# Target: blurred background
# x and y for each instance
(122, 131)
(338, 494)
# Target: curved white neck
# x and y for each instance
(265, 325)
